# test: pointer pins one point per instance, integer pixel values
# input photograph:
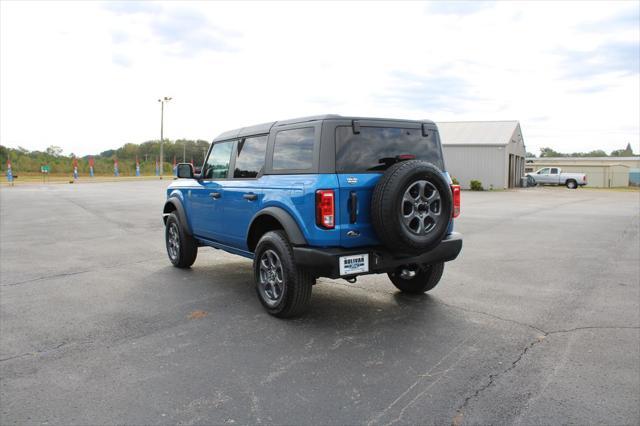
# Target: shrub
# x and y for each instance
(476, 185)
(455, 181)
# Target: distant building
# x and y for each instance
(602, 172)
(492, 152)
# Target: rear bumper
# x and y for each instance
(323, 262)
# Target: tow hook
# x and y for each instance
(351, 280)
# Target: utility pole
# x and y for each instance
(162, 102)
(184, 151)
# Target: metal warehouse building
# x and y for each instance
(602, 172)
(492, 152)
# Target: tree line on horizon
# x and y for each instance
(550, 152)
(25, 161)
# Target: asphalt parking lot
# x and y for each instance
(537, 322)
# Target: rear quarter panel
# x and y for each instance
(296, 195)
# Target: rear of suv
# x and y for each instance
(325, 196)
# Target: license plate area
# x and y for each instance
(354, 264)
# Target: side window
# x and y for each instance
(294, 149)
(217, 165)
(554, 171)
(250, 159)
(543, 171)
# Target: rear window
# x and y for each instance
(376, 148)
(294, 149)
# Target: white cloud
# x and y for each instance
(86, 76)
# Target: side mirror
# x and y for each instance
(185, 171)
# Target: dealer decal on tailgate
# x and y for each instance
(355, 264)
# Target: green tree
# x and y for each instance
(627, 152)
(54, 151)
(549, 152)
(594, 153)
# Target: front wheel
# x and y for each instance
(416, 279)
(182, 248)
(284, 289)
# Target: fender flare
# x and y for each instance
(288, 223)
(174, 204)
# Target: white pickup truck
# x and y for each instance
(554, 176)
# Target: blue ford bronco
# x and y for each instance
(325, 196)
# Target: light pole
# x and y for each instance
(162, 102)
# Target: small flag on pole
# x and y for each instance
(137, 166)
(91, 163)
(75, 168)
(9, 172)
(116, 172)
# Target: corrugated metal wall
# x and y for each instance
(484, 163)
(600, 176)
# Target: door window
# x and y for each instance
(554, 171)
(250, 158)
(543, 171)
(217, 165)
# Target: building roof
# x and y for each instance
(477, 132)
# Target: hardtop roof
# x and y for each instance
(266, 127)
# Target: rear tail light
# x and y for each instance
(455, 191)
(325, 208)
(584, 178)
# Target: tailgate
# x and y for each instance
(354, 209)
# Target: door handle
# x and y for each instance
(215, 195)
(353, 207)
(250, 197)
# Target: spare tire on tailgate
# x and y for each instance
(411, 207)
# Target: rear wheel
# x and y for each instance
(182, 248)
(284, 289)
(572, 184)
(416, 279)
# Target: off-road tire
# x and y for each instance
(426, 278)
(298, 282)
(386, 205)
(572, 184)
(187, 246)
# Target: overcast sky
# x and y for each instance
(87, 75)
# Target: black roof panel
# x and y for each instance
(266, 127)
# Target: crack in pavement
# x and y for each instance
(595, 327)
(421, 377)
(131, 333)
(524, 324)
(36, 352)
(67, 274)
(458, 418)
